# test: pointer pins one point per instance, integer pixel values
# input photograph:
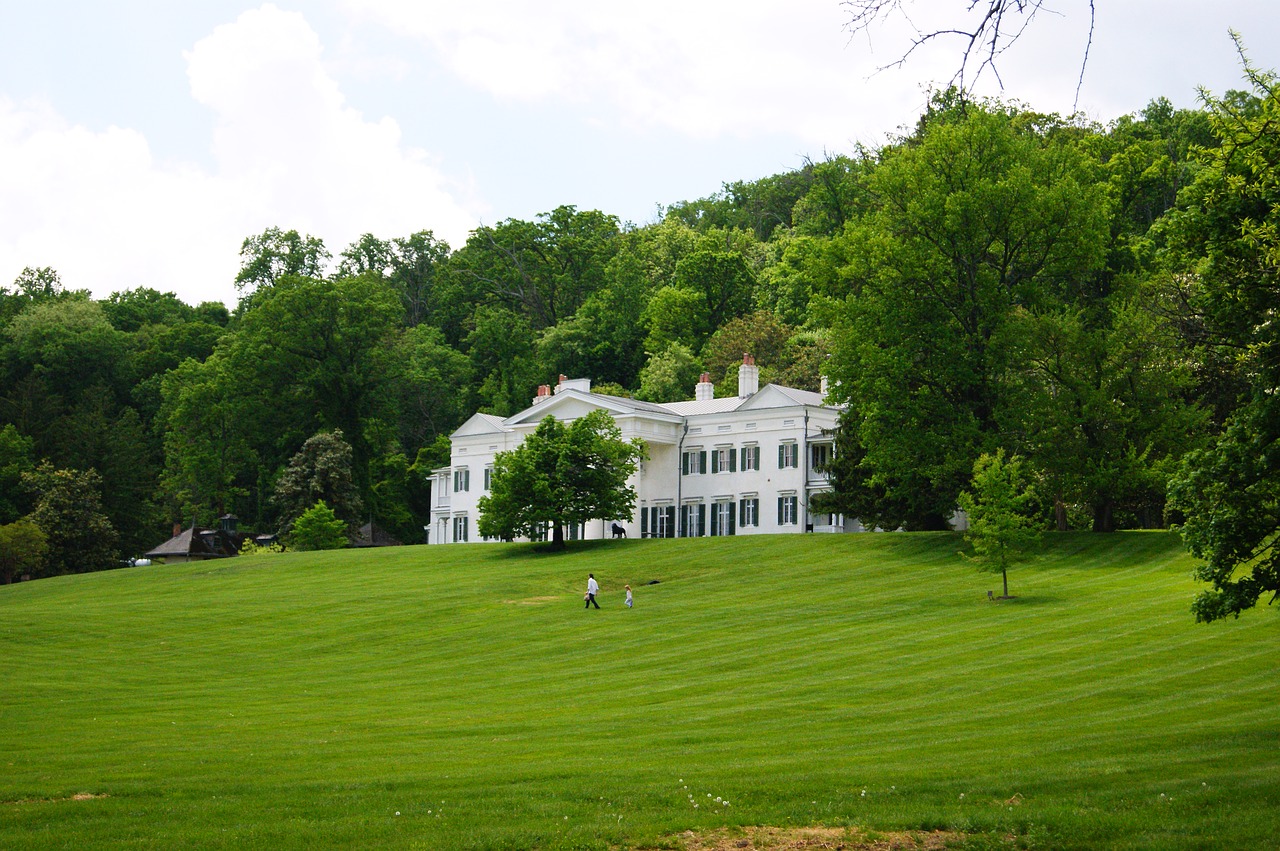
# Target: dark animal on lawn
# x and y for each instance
(618, 531)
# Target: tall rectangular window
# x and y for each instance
(658, 521)
(693, 462)
(724, 460)
(461, 480)
(488, 479)
(788, 510)
(750, 458)
(749, 512)
(722, 518)
(819, 456)
(787, 455)
(693, 520)
(460, 529)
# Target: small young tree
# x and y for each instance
(561, 475)
(318, 528)
(1000, 532)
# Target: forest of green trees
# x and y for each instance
(1096, 300)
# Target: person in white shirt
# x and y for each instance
(628, 596)
(592, 589)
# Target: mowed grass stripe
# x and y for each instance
(319, 693)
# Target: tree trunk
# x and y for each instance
(557, 537)
(1004, 574)
(1060, 515)
(1103, 516)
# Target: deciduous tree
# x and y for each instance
(321, 471)
(1000, 531)
(561, 475)
(1227, 235)
(22, 550)
(318, 528)
(68, 509)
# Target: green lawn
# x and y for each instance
(303, 700)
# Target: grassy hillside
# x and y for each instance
(302, 701)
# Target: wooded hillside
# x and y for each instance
(1094, 299)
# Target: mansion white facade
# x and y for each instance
(745, 465)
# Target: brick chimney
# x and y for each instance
(705, 390)
(748, 376)
(544, 393)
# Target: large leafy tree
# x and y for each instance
(208, 439)
(1099, 406)
(544, 269)
(68, 509)
(275, 254)
(321, 471)
(1227, 235)
(15, 459)
(561, 475)
(988, 214)
(410, 264)
(318, 353)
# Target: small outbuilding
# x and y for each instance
(196, 544)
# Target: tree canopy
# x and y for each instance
(561, 475)
(1096, 300)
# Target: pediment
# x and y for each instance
(774, 396)
(480, 424)
(568, 405)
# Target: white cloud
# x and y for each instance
(748, 68)
(704, 69)
(288, 151)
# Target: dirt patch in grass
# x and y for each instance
(79, 796)
(795, 838)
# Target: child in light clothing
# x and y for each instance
(628, 596)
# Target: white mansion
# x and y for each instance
(735, 466)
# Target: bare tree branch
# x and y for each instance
(993, 27)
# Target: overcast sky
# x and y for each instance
(142, 140)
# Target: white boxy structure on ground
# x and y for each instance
(733, 466)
